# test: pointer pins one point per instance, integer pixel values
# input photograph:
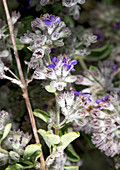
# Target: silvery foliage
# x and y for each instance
(98, 79)
(56, 161)
(57, 73)
(49, 32)
(75, 107)
(16, 141)
(106, 124)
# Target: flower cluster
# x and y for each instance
(58, 73)
(105, 122)
(88, 38)
(16, 141)
(56, 160)
(49, 33)
(65, 3)
(98, 79)
(75, 106)
(80, 46)
(86, 128)
(15, 17)
(71, 7)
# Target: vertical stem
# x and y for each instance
(82, 63)
(57, 118)
(24, 86)
(27, 101)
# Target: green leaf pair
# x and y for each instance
(64, 140)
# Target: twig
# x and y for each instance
(115, 73)
(12, 73)
(24, 86)
(63, 122)
(15, 81)
(82, 63)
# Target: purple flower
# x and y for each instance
(54, 60)
(66, 63)
(86, 95)
(102, 101)
(114, 67)
(51, 19)
(97, 32)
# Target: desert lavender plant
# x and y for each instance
(75, 107)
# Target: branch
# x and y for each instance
(24, 86)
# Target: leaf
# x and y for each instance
(50, 139)
(27, 162)
(68, 138)
(32, 152)
(19, 45)
(100, 49)
(91, 68)
(50, 89)
(71, 79)
(3, 151)
(35, 156)
(6, 131)
(71, 154)
(15, 167)
(71, 168)
(95, 56)
(41, 115)
(29, 48)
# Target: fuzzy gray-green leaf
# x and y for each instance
(30, 152)
(41, 115)
(50, 139)
(66, 139)
(6, 131)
